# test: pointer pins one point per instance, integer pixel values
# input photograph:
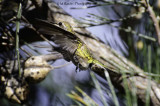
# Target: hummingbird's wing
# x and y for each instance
(65, 39)
(70, 45)
(51, 28)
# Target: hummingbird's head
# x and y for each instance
(66, 26)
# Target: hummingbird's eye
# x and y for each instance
(60, 23)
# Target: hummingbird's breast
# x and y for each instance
(83, 56)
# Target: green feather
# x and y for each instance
(71, 45)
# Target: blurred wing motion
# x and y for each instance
(65, 39)
(72, 47)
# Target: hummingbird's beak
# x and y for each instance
(54, 23)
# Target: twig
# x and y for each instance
(120, 28)
(154, 19)
(105, 3)
(17, 35)
(112, 88)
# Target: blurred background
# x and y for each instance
(115, 18)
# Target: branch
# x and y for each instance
(153, 17)
(109, 57)
(105, 55)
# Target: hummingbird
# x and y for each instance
(69, 44)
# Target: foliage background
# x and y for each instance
(143, 52)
